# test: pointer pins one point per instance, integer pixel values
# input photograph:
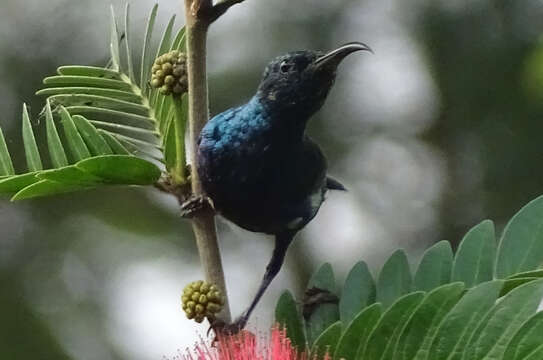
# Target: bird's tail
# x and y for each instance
(333, 184)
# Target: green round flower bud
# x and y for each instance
(167, 68)
(213, 307)
(178, 89)
(201, 300)
(155, 82)
(179, 71)
(165, 90)
(169, 74)
(195, 296)
(204, 288)
(169, 80)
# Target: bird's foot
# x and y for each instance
(223, 329)
(195, 204)
(314, 297)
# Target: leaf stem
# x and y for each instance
(179, 173)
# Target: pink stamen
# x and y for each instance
(244, 346)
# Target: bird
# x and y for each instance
(256, 163)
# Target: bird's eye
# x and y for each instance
(285, 67)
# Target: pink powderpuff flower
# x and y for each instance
(244, 346)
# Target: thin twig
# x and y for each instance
(180, 166)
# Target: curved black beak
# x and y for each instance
(334, 57)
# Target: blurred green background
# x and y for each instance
(438, 130)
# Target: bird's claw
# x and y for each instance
(314, 297)
(223, 329)
(195, 204)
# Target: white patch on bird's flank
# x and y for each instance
(316, 200)
(295, 224)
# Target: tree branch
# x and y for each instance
(199, 15)
(203, 222)
(221, 7)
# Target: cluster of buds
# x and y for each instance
(169, 73)
(201, 300)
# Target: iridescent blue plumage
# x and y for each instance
(259, 177)
(257, 164)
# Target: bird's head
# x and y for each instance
(298, 82)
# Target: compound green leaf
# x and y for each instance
(385, 335)
(112, 116)
(358, 292)
(70, 175)
(140, 149)
(15, 183)
(357, 332)
(46, 188)
(6, 166)
(128, 49)
(56, 150)
(422, 327)
(536, 354)
(121, 169)
(511, 284)
(114, 41)
(75, 142)
(94, 71)
(170, 150)
(521, 245)
(528, 274)
(327, 341)
(98, 101)
(86, 81)
(460, 323)
(394, 279)
(288, 317)
(179, 40)
(323, 278)
(33, 159)
(95, 143)
(323, 314)
(474, 260)
(146, 56)
(165, 41)
(113, 143)
(502, 322)
(127, 130)
(435, 267)
(527, 341)
(107, 93)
